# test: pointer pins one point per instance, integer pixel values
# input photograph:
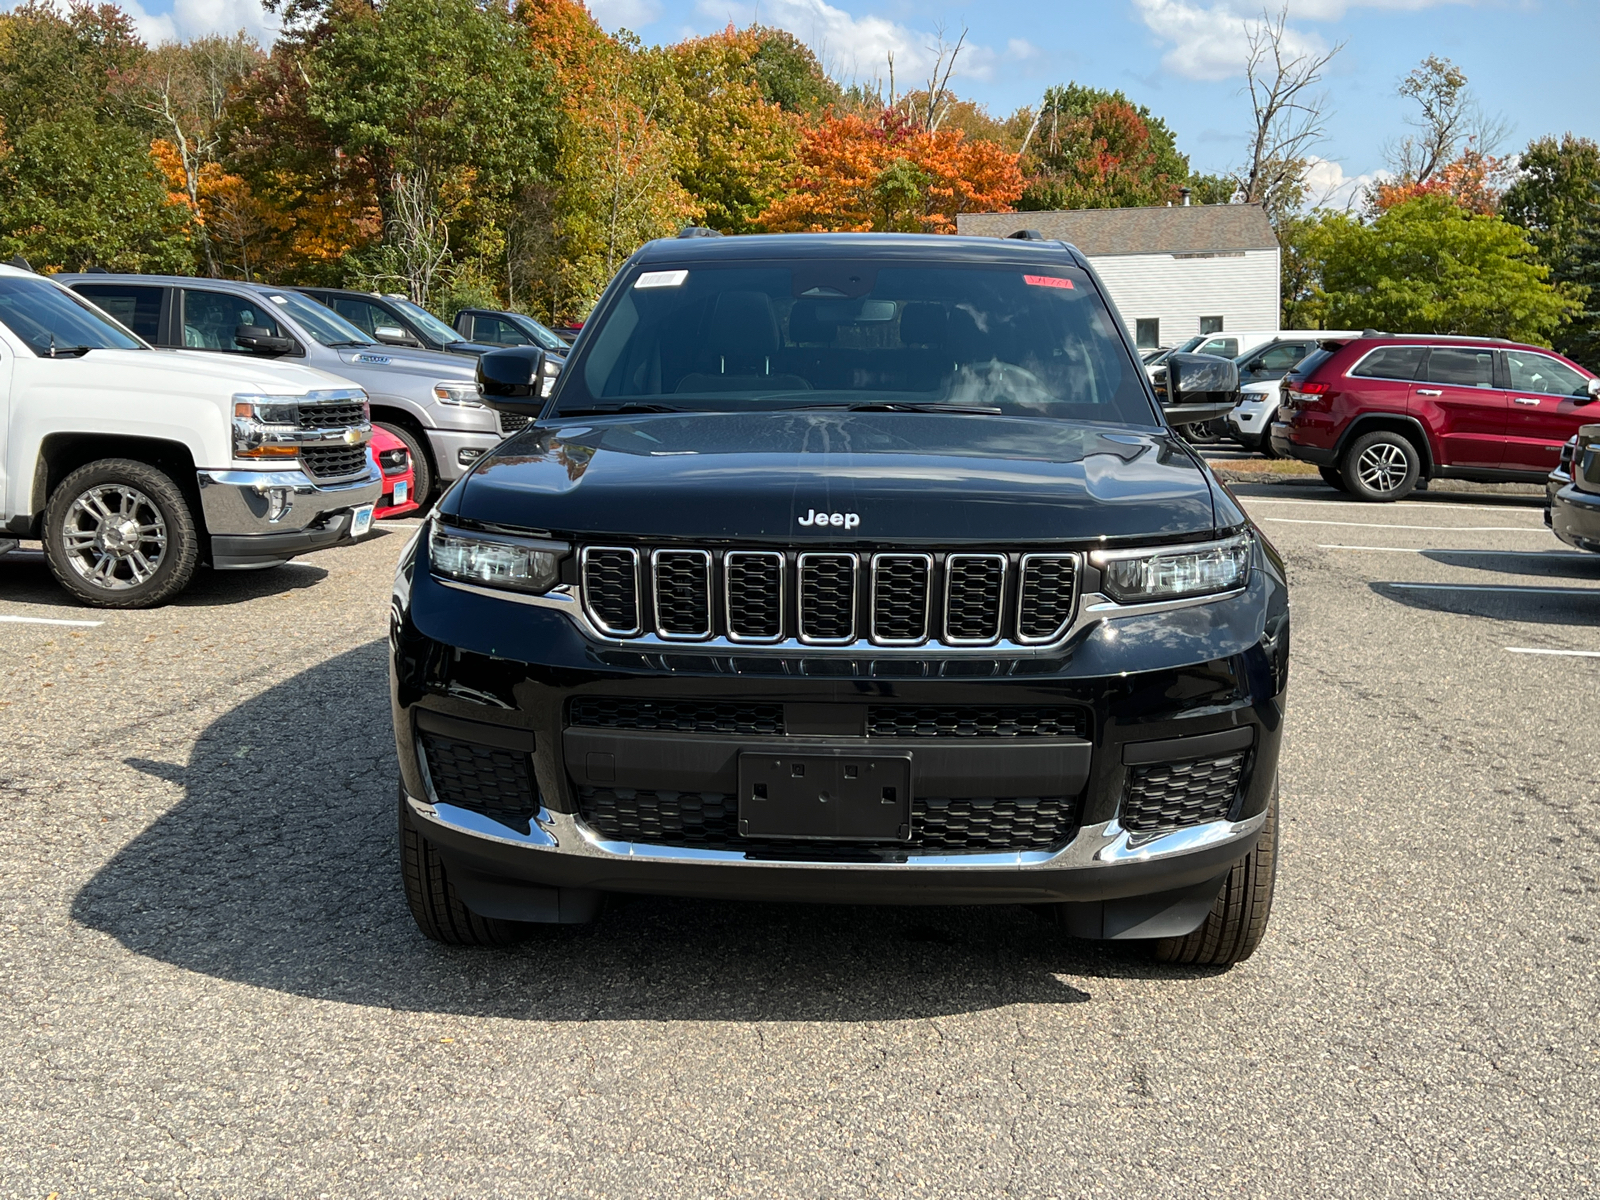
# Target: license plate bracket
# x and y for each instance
(825, 797)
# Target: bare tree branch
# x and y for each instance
(1289, 116)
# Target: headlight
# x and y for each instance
(462, 392)
(269, 426)
(495, 560)
(1174, 572)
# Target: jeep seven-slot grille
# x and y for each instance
(827, 598)
(1171, 795)
(710, 821)
(333, 462)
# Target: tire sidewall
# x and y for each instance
(182, 551)
(1352, 477)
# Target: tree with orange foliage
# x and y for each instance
(1472, 180)
(885, 175)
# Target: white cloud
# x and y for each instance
(1327, 186)
(1021, 49)
(1209, 40)
(625, 14)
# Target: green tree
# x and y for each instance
(1580, 340)
(1429, 266)
(1553, 193)
(1096, 149)
(790, 75)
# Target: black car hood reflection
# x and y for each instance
(892, 477)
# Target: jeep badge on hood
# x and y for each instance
(845, 520)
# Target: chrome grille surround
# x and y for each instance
(974, 598)
(610, 576)
(754, 617)
(899, 618)
(839, 601)
(827, 598)
(1043, 613)
(680, 582)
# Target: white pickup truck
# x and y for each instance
(134, 465)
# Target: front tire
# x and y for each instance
(435, 907)
(1238, 919)
(1381, 467)
(119, 534)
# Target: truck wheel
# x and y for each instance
(1238, 919)
(435, 907)
(422, 469)
(119, 534)
(1331, 477)
(1381, 466)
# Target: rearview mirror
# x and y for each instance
(511, 380)
(393, 335)
(258, 339)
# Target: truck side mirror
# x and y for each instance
(1191, 377)
(258, 339)
(393, 335)
(514, 380)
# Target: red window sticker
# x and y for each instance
(1046, 281)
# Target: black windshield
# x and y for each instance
(743, 336)
(52, 321)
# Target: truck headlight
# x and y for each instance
(1174, 572)
(458, 391)
(495, 560)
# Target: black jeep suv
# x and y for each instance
(848, 568)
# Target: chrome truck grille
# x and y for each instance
(830, 598)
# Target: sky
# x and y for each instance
(1530, 63)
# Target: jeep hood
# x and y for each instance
(908, 477)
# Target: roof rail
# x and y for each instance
(694, 231)
(1027, 235)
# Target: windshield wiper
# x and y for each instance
(341, 345)
(907, 406)
(601, 410)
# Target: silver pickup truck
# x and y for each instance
(428, 400)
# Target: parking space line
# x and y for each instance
(1560, 653)
(1490, 587)
(46, 621)
(1396, 504)
(1431, 528)
(1573, 554)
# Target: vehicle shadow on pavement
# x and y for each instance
(279, 869)
(1507, 602)
(1555, 564)
(26, 579)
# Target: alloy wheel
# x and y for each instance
(114, 536)
(1383, 467)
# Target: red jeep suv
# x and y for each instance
(1379, 412)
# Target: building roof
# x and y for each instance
(1180, 229)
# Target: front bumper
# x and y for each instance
(1573, 516)
(1253, 417)
(261, 518)
(1176, 686)
(455, 450)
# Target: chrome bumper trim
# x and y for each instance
(240, 503)
(1095, 847)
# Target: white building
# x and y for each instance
(1172, 272)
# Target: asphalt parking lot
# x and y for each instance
(212, 986)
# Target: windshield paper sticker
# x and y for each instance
(655, 279)
(1046, 281)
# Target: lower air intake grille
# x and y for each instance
(678, 716)
(611, 589)
(974, 588)
(333, 462)
(485, 779)
(827, 597)
(966, 722)
(710, 820)
(1171, 795)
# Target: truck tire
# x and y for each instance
(435, 907)
(119, 534)
(1331, 477)
(1238, 919)
(422, 468)
(1381, 466)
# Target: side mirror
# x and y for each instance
(517, 379)
(393, 335)
(1592, 395)
(1192, 377)
(258, 339)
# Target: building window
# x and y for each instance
(1147, 333)
(1210, 324)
